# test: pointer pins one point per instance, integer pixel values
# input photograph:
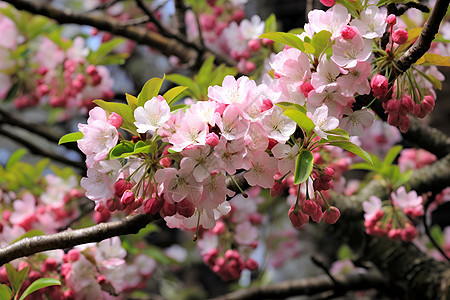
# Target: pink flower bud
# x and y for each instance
(393, 106)
(328, 174)
(251, 264)
(267, 42)
(152, 206)
(211, 2)
(408, 233)
(272, 143)
(238, 15)
(407, 104)
(328, 3)
(217, 10)
(391, 19)
(400, 36)
(96, 79)
(254, 45)
(219, 228)
(207, 22)
(298, 218)
(394, 119)
(120, 186)
(331, 215)
(115, 120)
(185, 208)
(379, 85)
(101, 279)
(73, 255)
(306, 87)
(309, 207)
(348, 32)
(49, 265)
(316, 216)
(168, 209)
(276, 189)
(404, 124)
(42, 90)
(127, 197)
(165, 162)
(428, 104)
(394, 234)
(249, 66)
(212, 139)
(91, 70)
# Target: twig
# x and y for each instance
(105, 5)
(309, 286)
(429, 31)
(71, 238)
(40, 151)
(180, 10)
(432, 240)
(181, 48)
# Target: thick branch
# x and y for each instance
(186, 51)
(423, 43)
(41, 151)
(309, 286)
(180, 10)
(71, 238)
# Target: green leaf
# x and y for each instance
(71, 137)
(353, 148)
(362, 166)
(286, 105)
(309, 48)
(320, 42)
(391, 155)
(123, 110)
(11, 94)
(16, 278)
(437, 235)
(285, 38)
(301, 119)
(434, 59)
(5, 292)
(271, 24)
(345, 252)
(151, 89)
(172, 94)
(132, 101)
(303, 167)
(15, 157)
(118, 151)
(178, 107)
(194, 89)
(39, 284)
(104, 49)
(204, 74)
(31, 233)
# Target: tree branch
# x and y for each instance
(309, 286)
(40, 151)
(429, 31)
(71, 238)
(180, 10)
(186, 51)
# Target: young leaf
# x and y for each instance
(353, 148)
(122, 110)
(119, 150)
(15, 157)
(31, 233)
(194, 89)
(391, 155)
(434, 59)
(39, 284)
(71, 137)
(303, 167)
(16, 278)
(5, 292)
(204, 74)
(271, 24)
(172, 94)
(301, 119)
(151, 89)
(132, 101)
(320, 42)
(286, 105)
(285, 38)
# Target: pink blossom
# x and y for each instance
(347, 53)
(413, 159)
(322, 121)
(246, 234)
(153, 115)
(371, 207)
(192, 131)
(356, 121)
(332, 20)
(356, 80)
(409, 202)
(198, 161)
(287, 156)
(263, 169)
(326, 75)
(371, 22)
(277, 125)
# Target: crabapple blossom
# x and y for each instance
(332, 20)
(278, 126)
(322, 121)
(155, 113)
(347, 53)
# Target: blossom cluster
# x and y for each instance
(89, 271)
(58, 71)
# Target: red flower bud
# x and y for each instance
(185, 208)
(298, 218)
(400, 36)
(331, 215)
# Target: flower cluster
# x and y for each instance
(48, 70)
(392, 219)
